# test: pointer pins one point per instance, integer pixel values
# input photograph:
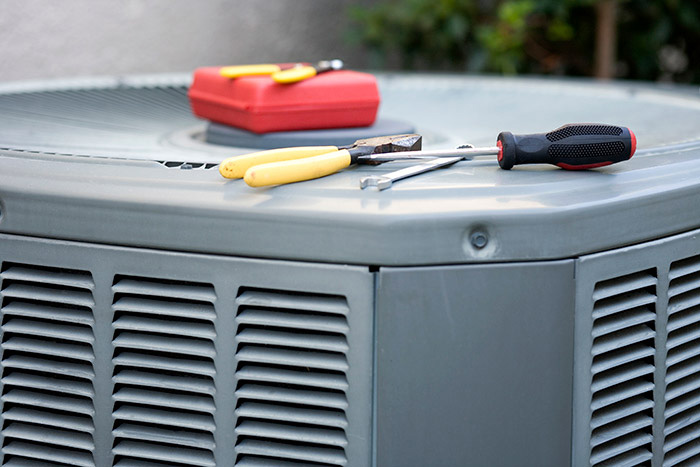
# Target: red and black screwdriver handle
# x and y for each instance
(576, 146)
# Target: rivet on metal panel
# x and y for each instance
(479, 239)
(479, 242)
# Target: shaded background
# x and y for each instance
(46, 38)
(653, 40)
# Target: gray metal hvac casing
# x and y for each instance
(154, 315)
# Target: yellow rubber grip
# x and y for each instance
(235, 167)
(248, 70)
(292, 75)
(298, 170)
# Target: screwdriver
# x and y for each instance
(576, 146)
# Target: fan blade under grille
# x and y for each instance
(163, 372)
(622, 384)
(292, 378)
(48, 375)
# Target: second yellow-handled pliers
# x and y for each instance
(293, 74)
(287, 165)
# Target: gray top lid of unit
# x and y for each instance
(91, 160)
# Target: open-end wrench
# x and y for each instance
(383, 182)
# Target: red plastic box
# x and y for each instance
(334, 99)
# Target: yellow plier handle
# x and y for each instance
(237, 71)
(297, 170)
(293, 75)
(236, 167)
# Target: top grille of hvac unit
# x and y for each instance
(48, 407)
(108, 120)
(291, 379)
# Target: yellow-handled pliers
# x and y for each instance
(288, 165)
(293, 74)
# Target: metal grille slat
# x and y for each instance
(47, 312)
(204, 422)
(683, 335)
(292, 396)
(622, 369)
(304, 415)
(681, 403)
(622, 285)
(620, 375)
(683, 386)
(41, 452)
(153, 306)
(162, 326)
(292, 433)
(630, 442)
(78, 388)
(619, 321)
(49, 435)
(49, 401)
(304, 302)
(303, 359)
(47, 364)
(164, 372)
(292, 378)
(301, 378)
(684, 301)
(189, 438)
(682, 391)
(290, 451)
(634, 458)
(620, 428)
(295, 320)
(165, 453)
(76, 279)
(684, 318)
(298, 340)
(76, 370)
(684, 267)
(134, 359)
(686, 368)
(622, 338)
(160, 288)
(76, 333)
(185, 401)
(55, 349)
(689, 434)
(620, 357)
(616, 304)
(155, 342)
(82, 298)
(620, 410)
(175, 382)
(624, 391)
(38, 417)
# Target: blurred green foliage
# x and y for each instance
(657, 39)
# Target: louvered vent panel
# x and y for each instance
(624, 314)
(163, 372)
(47, 360)
(291, 379)
(682, 413)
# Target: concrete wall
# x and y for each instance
(58, 38)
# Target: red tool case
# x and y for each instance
(334, 99)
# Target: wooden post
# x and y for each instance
(606, 39)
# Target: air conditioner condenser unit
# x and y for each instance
(155, 314)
